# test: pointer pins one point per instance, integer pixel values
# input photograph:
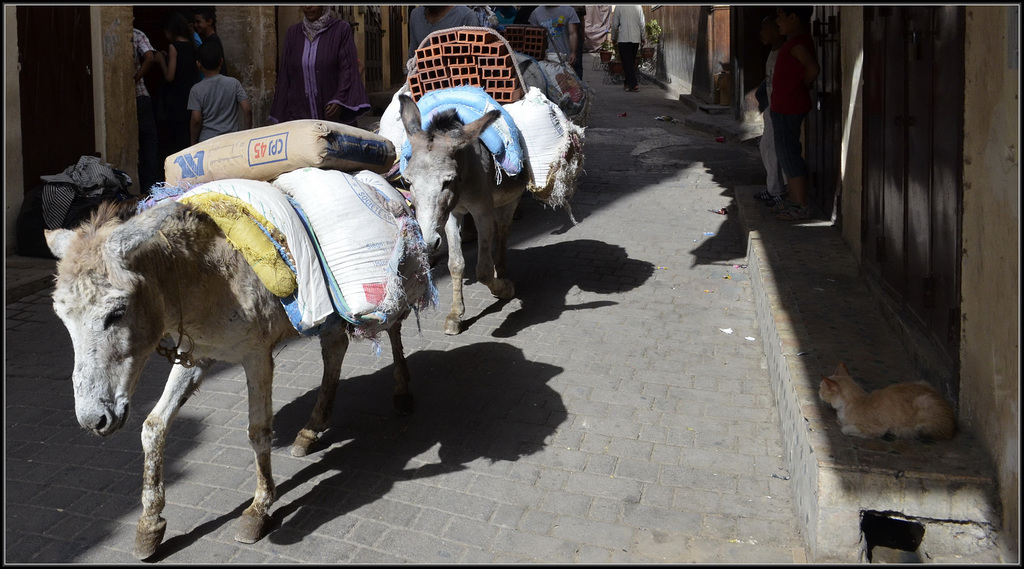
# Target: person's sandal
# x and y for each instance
(781, 207)
(795, 213)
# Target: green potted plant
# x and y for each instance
(652, 30)
(606, 50)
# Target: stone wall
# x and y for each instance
(990, 267)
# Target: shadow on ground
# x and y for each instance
(483, 401)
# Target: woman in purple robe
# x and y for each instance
(319, 73)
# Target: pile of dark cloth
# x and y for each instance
(67, 199)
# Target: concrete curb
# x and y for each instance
(947, 488)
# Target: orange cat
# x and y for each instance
(904, 410)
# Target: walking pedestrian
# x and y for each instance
(628, 34)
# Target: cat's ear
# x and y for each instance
(841, 369)
(828, 382)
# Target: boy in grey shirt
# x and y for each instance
(216, 100)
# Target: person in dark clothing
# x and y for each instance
(149, 150)
(523, 15)
(205, 24)
(179, 71)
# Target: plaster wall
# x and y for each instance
(249, 34)
(14, 189)
(990, 269)
(851, 158)
(681, 27)
(116, 125)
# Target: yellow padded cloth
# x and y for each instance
(241, 224)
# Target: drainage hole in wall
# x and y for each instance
(890, 538)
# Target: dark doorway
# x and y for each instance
(149, 20)
(397, 46)
(373, 67)
(55, 54)
(824, 122)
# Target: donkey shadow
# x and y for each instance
(481, 401)
(547, 277)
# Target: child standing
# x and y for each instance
(775, 188)
(796, 68)
(215, 101)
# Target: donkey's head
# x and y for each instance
(437, 166)
(114, 319)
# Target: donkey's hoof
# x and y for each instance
(148, 539)
(404, 404)
(304, 442)
(452, 325)
(250, 527)
(503, 288)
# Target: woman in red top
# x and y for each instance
(795, 71)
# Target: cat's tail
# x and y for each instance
(935, 417)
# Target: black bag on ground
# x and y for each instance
(29, 239)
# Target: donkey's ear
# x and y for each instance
(410, 114)
(473, 130)
(142, 232)
(58, 240)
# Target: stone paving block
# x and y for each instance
(567, 503)
(592, 532)
(366, 556)
(538, 522)
(641, 470)
(603, 485)
(534, 547)
(601, 464)
(412, 545)
(509, 492)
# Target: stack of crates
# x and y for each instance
(466, 56)
(530, 40)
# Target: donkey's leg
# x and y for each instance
(486, 237)
(402, 399)
(181, 383)
(503, 225)
(457, 267)
(333, 345)
(259, 374)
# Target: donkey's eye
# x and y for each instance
(112, 317)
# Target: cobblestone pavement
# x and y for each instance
(618, 410)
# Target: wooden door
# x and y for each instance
(55, 55)
(373, 67)
(396, 44)
(913, 136)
